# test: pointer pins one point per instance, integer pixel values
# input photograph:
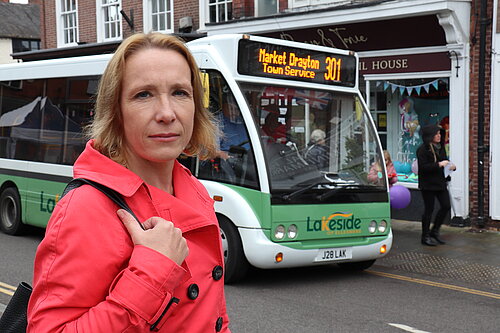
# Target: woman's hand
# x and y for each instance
(443, 163)
(159, 234)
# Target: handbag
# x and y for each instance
(14, 318)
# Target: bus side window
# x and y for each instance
(234, 163)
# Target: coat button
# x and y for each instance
(218, 324)
(217, 273)
(193, 291)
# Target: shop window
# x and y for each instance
(400, 108)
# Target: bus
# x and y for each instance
(290, 181)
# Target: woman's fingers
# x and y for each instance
(159, 234)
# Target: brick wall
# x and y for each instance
(475, 114)
(243, 8)
(136, 7)
(87, 22)
(186, 8)
(246, 8)
(87, 19)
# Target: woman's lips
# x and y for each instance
(164, 136)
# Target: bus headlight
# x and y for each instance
(382, 227)
(292, 231)
(279, 232)
(372, 227)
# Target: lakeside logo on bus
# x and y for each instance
(46, 204)
(338, 223)
(291, 63)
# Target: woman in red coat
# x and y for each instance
(97, 270)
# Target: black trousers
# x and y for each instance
(429, 198)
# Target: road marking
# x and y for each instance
(407, 328)
(7, 289)
(436, 284)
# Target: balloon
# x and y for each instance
(400, 196)
(406, 168)
(398, 166)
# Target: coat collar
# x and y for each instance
(93, 165)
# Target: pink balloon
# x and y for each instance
(400, 197)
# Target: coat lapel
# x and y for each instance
(191, 207)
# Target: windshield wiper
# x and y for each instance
(290, 196)
(328, 194)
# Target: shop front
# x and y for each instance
(413, 71)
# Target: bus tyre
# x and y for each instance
(10, 212)
(356, 266)
(236, 264)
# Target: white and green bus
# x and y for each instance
(290, 182)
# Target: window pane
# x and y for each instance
(230, 11)
(162, 22)
(155, 22)
(222, 13)
(213, 14)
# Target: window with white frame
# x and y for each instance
(220, 10)
(68, 22)
(109, 26)
(158, 15)
(266, 7)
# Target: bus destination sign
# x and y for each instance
(292, 63)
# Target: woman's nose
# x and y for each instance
(164, 110)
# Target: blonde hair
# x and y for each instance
(107, 127)
(387, 157)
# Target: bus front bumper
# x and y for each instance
(261, 252)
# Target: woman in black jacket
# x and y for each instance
(432, 183)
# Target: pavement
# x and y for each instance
(470, 257)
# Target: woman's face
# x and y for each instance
(437, 137)
(157, 106)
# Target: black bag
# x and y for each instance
(14, 318)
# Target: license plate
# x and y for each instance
(334, 254)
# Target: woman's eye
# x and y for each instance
(181, 93)
(143, 94)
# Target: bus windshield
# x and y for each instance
(319, 145)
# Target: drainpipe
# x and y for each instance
(481, 147)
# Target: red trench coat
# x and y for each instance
(89, 276)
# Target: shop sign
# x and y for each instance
(408, 63)
(370, 36)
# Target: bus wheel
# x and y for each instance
(10, 212)
(356, 266)
(236, 264)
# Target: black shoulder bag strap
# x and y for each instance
(14, 318)
(112, 194)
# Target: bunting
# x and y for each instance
(410, 89)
